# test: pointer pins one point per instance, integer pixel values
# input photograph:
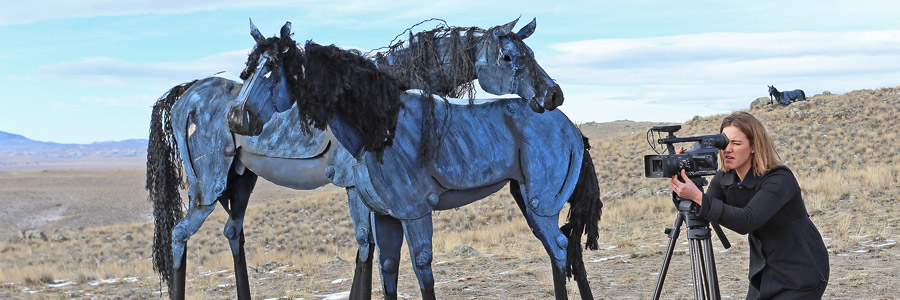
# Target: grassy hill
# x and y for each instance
(841, 147)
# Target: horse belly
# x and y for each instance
(301, 174)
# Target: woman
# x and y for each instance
(754, 194)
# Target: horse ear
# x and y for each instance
(526, 31)
(286, 29)
(507, 28)
(255, 32)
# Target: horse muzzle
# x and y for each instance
(553, 99)
(244, 122)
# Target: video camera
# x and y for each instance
(696, 162)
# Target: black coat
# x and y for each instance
(788, 258)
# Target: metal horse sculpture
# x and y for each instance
(223, 166)
(786, 97)
(479, 149)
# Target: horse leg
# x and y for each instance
(419, 234)
(361, 287)
(239, 189)
(388, 239)
(177, 286)
(547, 231)
(180, 234)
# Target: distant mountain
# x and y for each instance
(10, 139)
(131, 142)
(20, 153)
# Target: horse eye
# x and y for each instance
(506, 58)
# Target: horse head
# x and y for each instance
(505, 65)
(265, 91)
(326, 83)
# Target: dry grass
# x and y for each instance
(301, 245)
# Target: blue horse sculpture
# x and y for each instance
(786, 97)
(189, 122)
(478, 149)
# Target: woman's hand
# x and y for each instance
(686, 189)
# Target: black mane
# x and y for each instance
(325, 80)
(419, 63)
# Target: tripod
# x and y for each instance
(703, 265)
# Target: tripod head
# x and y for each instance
(692, 209)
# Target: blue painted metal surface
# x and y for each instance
(503, 64)
(305, 158)
(205, 143)
(482, 147)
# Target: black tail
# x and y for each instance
(585, 209)
(164, 179)
(802, 93)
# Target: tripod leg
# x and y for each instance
(696, 271)
(711, 270)
(673, 237)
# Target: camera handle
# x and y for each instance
(703, 265)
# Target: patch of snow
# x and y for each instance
(101, 281)
(336, 296)
(208, 273)
(60, 283)
(608, 258)
(889, 243)
(339, 280)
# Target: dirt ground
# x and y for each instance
(493, 265)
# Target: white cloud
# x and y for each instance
(700, 74)
(105, 70)
(23, 12)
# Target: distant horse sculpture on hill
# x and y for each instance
(786, 97)
(478, 149)
(189, 122)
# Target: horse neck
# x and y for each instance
(440, 78)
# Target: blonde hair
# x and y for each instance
(763, 156)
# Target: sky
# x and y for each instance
(90, 70)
